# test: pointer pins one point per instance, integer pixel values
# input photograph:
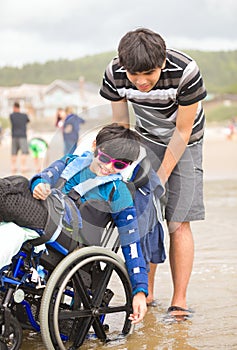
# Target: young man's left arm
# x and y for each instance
(178, 143)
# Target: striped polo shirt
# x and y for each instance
(180, 83)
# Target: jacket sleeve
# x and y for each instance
(126, 222)
(50, 174)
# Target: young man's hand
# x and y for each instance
(139, 308)
(41, 191)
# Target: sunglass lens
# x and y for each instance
(104, 159)
(119, 165)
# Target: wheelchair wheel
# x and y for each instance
(87, 297)
(13, 339)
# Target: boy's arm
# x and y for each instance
(120, 112)
(126, 222)
(135, 263)
(51, 174)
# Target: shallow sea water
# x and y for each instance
(212, 289)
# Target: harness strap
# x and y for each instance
(75, 223)
(55, 209)
(97, 181)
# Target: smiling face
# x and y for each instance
(103, 165)
(102, 169)
(145, 81)
(115, 147)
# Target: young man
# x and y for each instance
(19, 123)
(165, 88)
(94, 183)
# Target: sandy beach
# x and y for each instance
(219, 162)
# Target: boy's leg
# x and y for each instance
(151, 282)
(17, 204)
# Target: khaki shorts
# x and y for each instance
(184, 189)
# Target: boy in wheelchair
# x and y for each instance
(86, 192)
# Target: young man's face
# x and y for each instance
(145, 81)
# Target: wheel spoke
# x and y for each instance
(114, 309)
(99, 329)
(101, 288)
(72, 314)
(81, 331)
(84, 299)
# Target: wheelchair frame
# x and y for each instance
(68, 297)
(74, 300)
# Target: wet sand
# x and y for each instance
(213, 285)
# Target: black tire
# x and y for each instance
(14, 339)
(92, 277)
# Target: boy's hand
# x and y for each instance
(41, 191)
(139, 308)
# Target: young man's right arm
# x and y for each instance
(110, 92)
(120, 112)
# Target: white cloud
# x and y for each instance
(44, 30)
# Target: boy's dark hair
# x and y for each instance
(141, 50)
(118, 142)
(16, 104)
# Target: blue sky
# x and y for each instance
(38, 31)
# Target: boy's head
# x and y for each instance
(16, 106)
(118, 142)
(141, 50)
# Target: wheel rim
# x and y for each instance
(93, 308)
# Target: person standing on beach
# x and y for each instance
(165, 88)
(71, 129)
(19, 123)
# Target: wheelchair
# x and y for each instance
(69, 297)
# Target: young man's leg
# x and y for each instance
(14, 151)
(181, 261)
(23, 163)
(13, 164)
(24, 155)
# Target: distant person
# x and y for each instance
(38, 148)
(1, 133)
(165, 88)
(71, 129)
(59, 118)
(19, 123)
(231, 128)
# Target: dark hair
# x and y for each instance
(141, 50)
(118, 142)
(16, 104)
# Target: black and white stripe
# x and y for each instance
(180, 83)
